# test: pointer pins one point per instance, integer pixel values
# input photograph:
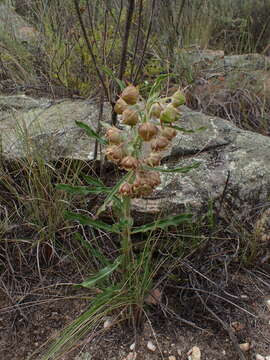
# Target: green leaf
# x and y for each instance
(92, 181)
(86, 220)
(90, 132)
(93, 251)
(157, 84)
(203, 128)
(182, 170)
(82, 190)
(162, 224)
(103, 273)
(111, 74)
(111, 194)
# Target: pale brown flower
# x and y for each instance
(147, 131)
(115, 153)
(126, 189)
(130, 94)
(129, 163)
(130, 117)
(114, 136)
(159, 143)
(153, 159)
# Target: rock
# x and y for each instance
(151, 346)
(13, 26)
(132, 346)
(236, 87)
(194, 353)
(245, 346)
(47, 129)
(259, 357)
(131, 356)
(237, 326)
(83, 356)
(154, 297)
(108, 323)
(262, 227)
(267, 302)
(233, 170)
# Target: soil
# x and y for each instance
(28, 319)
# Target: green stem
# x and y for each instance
(126, 237)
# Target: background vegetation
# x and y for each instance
(89, 48)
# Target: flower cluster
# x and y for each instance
(151, 125)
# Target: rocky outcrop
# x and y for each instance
(13, 26)
(235, 87)
(233, 171)
(47, 129)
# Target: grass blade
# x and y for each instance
(91, 133)
(162, 224)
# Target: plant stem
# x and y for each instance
(126, 238)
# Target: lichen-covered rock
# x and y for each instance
(12, 25)
(234, 170)
(47, 129)
(234, 165)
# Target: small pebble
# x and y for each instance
(259, 357)
(244, 296)
(267, 357)
(244, 346)
(268, 304)
(132, 347)
(107, 323)
(131, 356)
(179, 352)
(194, 353)
(223, 352)
(172, 357)
(151, 346)
(237, 326)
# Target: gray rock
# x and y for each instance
(42, 128)
(234, 165)
(13, 26)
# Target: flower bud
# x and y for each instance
(147, 131)
(155, 111)
(115, 153)
(129, 163)
(178, 98)
(130, 117)
(153, 179)
(169, 114)
(114, 136)
(126, 189)
(153, 159)
(130, 95)
(159, 143)
(168, 132)
(120, 106)
(141, 186)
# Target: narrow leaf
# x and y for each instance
(111, 74)
(182, 170)
(162, 224)
(103, 273)
(90, 132)
(203, 128)
(92, 181)
(82, 190)
(86, 220)
(111, 194)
